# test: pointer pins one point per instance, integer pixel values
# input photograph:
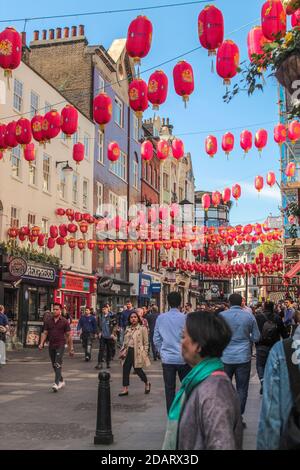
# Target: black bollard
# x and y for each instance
(103, 428)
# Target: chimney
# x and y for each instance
(51, 33)
(23, 38)
(36, 35)
(81, 30)
(74, 31)
(168, 121)
(66, 32)
(44, 34)
(58, 33)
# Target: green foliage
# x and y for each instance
(269, 248)
(11, 248)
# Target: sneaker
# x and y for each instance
(61, 385)
(244, 424)
(55, 388)
(87, 358)
(99, 366)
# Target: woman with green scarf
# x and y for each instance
(205, 413)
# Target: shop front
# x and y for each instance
(112, 291)
(194, 294)
(75, 292)
(145, 290)
(156, 294)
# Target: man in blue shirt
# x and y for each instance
(237, 355)
(107, 336)
(88, 326)
(167, 340)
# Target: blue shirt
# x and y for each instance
(87, 324)
(3, 319)
(104, 322)
(167, 336)
(289, 316)
(244, 331)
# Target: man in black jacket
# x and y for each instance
(151, 318)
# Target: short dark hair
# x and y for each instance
(269, 307)
(211, 332)
(134, 313)
(235, 299)
(188, 304)
(57, 305)
(174, 299)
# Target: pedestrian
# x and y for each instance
(237, 355)
(134, 353)
(272, 329)
(289, 313)
(205, 414)
(167, 340)
(281, 390)
(141, 314)
(88, 326)
(296, 320)
(188, 308)
(107, 336)
(124, 319)
(3, 332)
(66, 315)
(57, 331)
(152, 318)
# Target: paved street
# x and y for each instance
(33, 417)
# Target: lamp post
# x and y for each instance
(67, 168)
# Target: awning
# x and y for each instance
(293, 272)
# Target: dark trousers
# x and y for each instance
(56, 356)
(262, 353)
(241, 372)
(105, 349)
(169, 374)
(153, 348)
(86, 339)
(129, 362)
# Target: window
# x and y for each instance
(31, 219)
(14, 217)
(123, 207)
(166, 184)
(155, 179)
(135, 172)
(18, 95)
(62, 184)
(61, 253)
(46, 172)
(119, 168)
(44, 225)
(136, 128)
(73, 256)
(118, 112)
(75, 188)
(83, 255)
(34, 103)
(100, 146)
(76, 137)
(180, 194)
(119, 205)
(47, 107)
(16, 161)
(85, 194)
(32, 173)
(99, 198)
(86, 142)
(101, 84)
(151, 175)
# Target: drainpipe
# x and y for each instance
(128, 176)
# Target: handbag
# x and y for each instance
(123, 353)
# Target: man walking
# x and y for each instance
(152, 319)
(3, 332)
(57, 332)
(124, 319)
(289, 313)
(107, 336)
(237, 355)
(88, 326)
(167, 340)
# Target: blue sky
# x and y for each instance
(175, 32)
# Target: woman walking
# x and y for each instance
(205, 414)
(134, 352)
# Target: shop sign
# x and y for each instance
(194, 284)
(105, 283)
(75, 283)
(17, 267)
(74, 333)
(171, 276)
(145, 285)
(156, 288)
(39, 273)
(116, 288)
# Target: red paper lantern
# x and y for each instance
(226, 195)
(69, 120)
(236, 191)
(259, 183)
(72, 228)
(81, 244)
(41, 240)
(24, 231)
(256, 41)
(120, 246)
(1, 154)
(246, 141)
(29, 152)
(91, 244)
(163, 149)
(78, 152)
(211, 145)
(63, 230)
(290, 170)
(53, 231)
(84, 227)
(12, 232)
(271, 179)
(10, 50)
(61, 241)
(78, 216)
(113, 152)
(51, 124)
(139, 38)
(280, 134)
(273, 19)
(177, 148)
(216, 198)
(228, 143)
(294, 131)
(60, 211)
(138, 96)
(206, 201)
(51, 243)
(129, 247)
(10, 136)
(261, 139)
(157, 88)
(147, 150)
(183, 76)
(3, 145)
(72, 243)
(211, 28)
(102, 108)
(23, 131)
(296, 19)
(37, 128)
(110, 246)
(228, 60)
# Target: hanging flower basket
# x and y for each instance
(289, 72)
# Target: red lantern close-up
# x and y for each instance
(81, 244)
(10, 136)
(163, 149)
(236, 191)
(63, 230)
(183, 76)
(273, 19)
(256, 41)
(51, 124)
(228, 61)
(147, 150)
(3, 145)
(10, 50)
(72, 243)
(37, 128)
(261, 139)
(211, 28)
(72, 228)
(216, 198)
(177, 148)
(294, 131)
(69, 120)
(84, 227)
(53, 231)
(246, 141)
(61, 241)
(29, 152)
(211, 145)
(78, 152)
(139, 38)
(102, 109)
(290, 170)
(157, 88)
(259, 183)
(113, 152)
(228, 143)
(41, 240)
(206, 201)
(60, 211)
(296, 19)
(91, 244)
(51, 243)
(138, 96)
(271, 179)
(226, 195)
(23, 131)
(280, 134)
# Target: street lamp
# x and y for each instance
(67, 168)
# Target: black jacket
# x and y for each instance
(261, 318)
(151, 319)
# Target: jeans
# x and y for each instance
(169, 374)
(242, 378)
(105, 349)
(262, 353)
(2, 353)
(153, 348)
(56, 356)
(86, 339)
(129, 362)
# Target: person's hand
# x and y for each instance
(41, 346)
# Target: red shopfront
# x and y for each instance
(75, 291)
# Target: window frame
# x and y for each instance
(19, 97)
(16, 218)
(85, 196)
(119, 168)
(75, 202)
(100, 149)
(118, 103)
(86, 138)
(18, 159)
(48, 189)
(98, 186)
(33, 110)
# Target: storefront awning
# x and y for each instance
(293, 272)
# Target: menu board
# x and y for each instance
(75, 334)
(33, 335)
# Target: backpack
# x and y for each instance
(269, 332)
(290, 439)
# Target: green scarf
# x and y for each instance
(199, 373)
